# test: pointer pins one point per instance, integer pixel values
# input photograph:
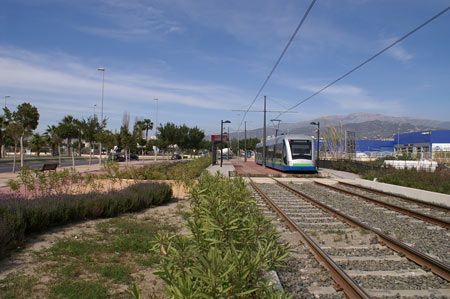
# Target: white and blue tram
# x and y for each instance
(288, 153)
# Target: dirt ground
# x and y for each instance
(29, 261)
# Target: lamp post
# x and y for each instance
(95, 106)
(229, 144)
(156, 125)
(5, 99)
(221, 139)
(245, 141)
(318, 141)
(101, 69)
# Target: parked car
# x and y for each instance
(133, 157)
(175, 157)
(118, 157)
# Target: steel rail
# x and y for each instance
(430, 205)
(342, 280)
(437, 267)
(428, 218)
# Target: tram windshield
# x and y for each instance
(300, 149)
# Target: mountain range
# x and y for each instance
(365, 126)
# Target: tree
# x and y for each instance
(54, 138)
(27, 118)
(167, 136)
(138, 131)
(91, 129)
(37, 142)
(81, 127)
(182, 138)
(3, 126)
(148, 125)
(14, 131)
(195, 137)
(126, 138)
(251, 143)
(69, 131)
(106, 137)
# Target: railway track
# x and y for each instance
(358, 260)
(391, 202)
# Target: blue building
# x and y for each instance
(425, 142)
(380, 147)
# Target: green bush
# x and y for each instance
(437, 181)
(179, 170)
(20, 216)
(231, 248)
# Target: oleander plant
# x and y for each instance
(231, 247)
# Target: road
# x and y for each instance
(7, 166)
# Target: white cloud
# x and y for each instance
(350, 98)
(398, 51)
(130, 20)
(59, 85)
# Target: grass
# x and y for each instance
(100, 264)
(79, 290)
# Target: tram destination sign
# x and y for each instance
(216, 138)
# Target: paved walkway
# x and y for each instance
(227, 166)
(339, 174)
(250, 167)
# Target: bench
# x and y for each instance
(49, 167)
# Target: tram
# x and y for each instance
(288, 153)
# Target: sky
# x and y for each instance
(202, 59)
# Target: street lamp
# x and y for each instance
(156, 124)
(101, 69)
(5, 99)
(277, 127)
(318, 141)
(221, 139)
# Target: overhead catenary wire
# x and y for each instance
(279, 59)
(368, 60)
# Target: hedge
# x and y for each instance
(19, 217)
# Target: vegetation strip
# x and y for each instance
(437, 181)
(95, 259)
(230, 248)
(183, 171)
(20, 216)
(436, 266)
(350, 287)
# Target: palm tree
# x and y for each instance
(80, 125)
(37, 142)
(69, 131)
(147, 125)
(53, 135)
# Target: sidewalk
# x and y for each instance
(6, 176)
(224, 170)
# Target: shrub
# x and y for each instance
(20, 216)
(231, 247)
(437, 181)
(181, 170)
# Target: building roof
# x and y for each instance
(437, 136)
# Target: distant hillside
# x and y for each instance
(365, 125)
